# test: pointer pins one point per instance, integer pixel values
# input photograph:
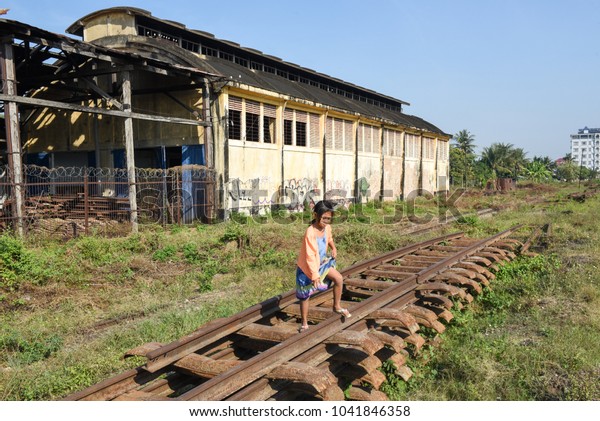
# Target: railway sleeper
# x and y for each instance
(446, 289)
(478, 259)
(400, 317)
(455, 279)
(475, 267)
(390, 274)
(402, 268)
(206, 367)
(440, 312)
(142, 350)
(361, 393)
(318, 378)
(368, 284)
(394, 342)
(416, 340)
(469, 274)
(439, 300)
(369, 343)
(356, 358)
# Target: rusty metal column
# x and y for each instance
(13, 133)
(129, 152)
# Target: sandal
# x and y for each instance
(303, 329)
(344, 312)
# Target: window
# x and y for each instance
(252, 127)
(315, 132)
(287, 132)
(269, 113)
(296, 128)
(428, 148)
(252, 121)
(413, 147)
(235, 124)
(300, 133)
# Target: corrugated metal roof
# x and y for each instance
(275, 83)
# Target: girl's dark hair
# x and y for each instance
(321, 207)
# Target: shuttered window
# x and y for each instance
(413, 146)
(329, 133)
(348, 135)
(315, 130)
(338, 134)
(428, 148)
(377, 140)
(235, 118)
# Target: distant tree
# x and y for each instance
(482, 173)
(465, 143)
(546, 160)
(502, 159)
(568, 158)
(567, 171)
(537, 171)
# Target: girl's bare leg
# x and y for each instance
(304, 312)
(338, 283)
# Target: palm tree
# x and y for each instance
(465, 143)
(503, 159)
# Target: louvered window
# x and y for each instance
(413, 149)
(329, 133)
(301, 132)
(348, 135)
(377, 140)
(315, 132)
(429, 148)
(235, 118)
(288, 122)
(338, 134)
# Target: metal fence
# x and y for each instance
(75, 200)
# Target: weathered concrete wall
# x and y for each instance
(302, 176)
(339, 174)
(369, 167)
(411, 177)
(428, 176)
(258, 162)
(392, 176)
(108, 25)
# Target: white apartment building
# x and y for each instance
(585, 148)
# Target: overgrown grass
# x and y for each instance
(530, 338)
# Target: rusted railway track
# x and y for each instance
(399, 300)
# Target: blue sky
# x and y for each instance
(522, 72)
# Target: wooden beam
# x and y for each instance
(38, 102)
(129, 152)
(13, 132)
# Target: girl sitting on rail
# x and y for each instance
(316, 270)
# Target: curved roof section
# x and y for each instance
(261, 79)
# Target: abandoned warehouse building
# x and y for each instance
(147, 120)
